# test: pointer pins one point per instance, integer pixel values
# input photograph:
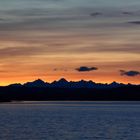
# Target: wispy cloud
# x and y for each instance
(19, 51)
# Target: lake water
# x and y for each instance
(70, 121)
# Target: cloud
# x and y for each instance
(19, 51)
(38, 19)
(127, 13)
(60, 69)
(4, 71)
(95, 14)
(27, 12)
(134, 22)
(129, 73)
(2, 19)
(85, 69)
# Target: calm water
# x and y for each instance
(70, 121)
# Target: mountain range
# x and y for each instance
(63, 90)
(63, 83)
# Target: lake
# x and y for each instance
(70, 121)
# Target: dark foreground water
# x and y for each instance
(70, 121)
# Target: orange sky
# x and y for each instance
(50, 39)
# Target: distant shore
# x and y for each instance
(124, 93)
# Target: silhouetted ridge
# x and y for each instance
(63, 83)
(63, 80)
(64, 90)
(36, 83)
(16, 85)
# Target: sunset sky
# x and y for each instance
(95, 40)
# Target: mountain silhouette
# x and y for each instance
(36, 83)
(63, 83)
(63, 90)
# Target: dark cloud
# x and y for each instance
(127, 13)
(2, 19)
(134, 22)
(129, 73)
(85, 68)
(95, 14)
